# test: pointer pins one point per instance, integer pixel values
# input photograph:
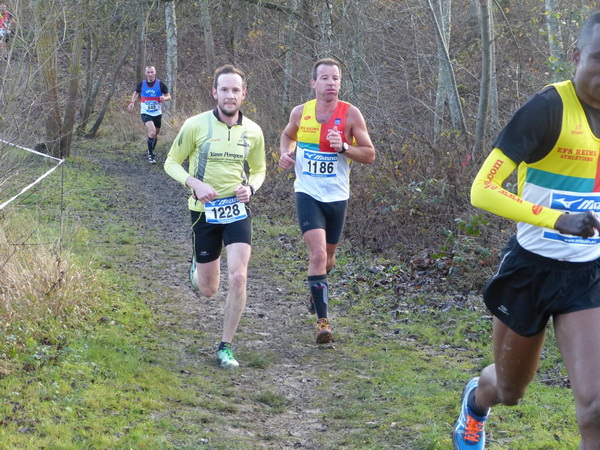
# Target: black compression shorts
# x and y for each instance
(313, 214)
(208, 238)
(529, 288)
(157, 120)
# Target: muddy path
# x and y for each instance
(274, 343)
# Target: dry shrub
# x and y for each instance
(41, 293)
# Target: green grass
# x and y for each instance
(111, 376)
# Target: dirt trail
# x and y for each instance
(270, 326)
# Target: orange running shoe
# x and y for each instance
(324, 333)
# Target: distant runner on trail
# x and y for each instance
(152, 92)
(552, 267)
(6, 21)
(217, 145)
(322, 137)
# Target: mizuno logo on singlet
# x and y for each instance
(577, 203)
(566, 204)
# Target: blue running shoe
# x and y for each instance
(468, 430)
(192, 270)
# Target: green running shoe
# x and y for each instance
(226, 359)
(192, 270)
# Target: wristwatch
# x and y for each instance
(344, 147)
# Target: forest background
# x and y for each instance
(435, 80)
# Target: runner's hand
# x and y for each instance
(580, 224)
(335, 139)
(203, 191)
(243, 193)
(287, 160)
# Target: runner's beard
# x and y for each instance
(229, 113)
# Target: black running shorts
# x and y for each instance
(157, 120)
(529, 288)
(313, 214)
(208, 238)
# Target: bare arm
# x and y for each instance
(289, 139)
(134, 97)
(360, 147)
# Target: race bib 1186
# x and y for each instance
(320, 164)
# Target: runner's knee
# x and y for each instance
(330, 263)
(510, 395)
(237, 279)
(207, 291)
(318, 258)
(588, 413)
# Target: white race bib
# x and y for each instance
(225, 210)
(151, 105)
(320, 164)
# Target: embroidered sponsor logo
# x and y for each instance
(307, 117)
(537, 209)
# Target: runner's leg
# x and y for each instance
(207, 277)
(331, 248)
(238, 256)
(578, 336)
(516, 359)
(317, 251)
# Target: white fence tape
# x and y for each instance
(25, 189)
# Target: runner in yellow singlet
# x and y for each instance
(217, 144)
(322, 137)
(552, 267)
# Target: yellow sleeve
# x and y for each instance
(182, 147)
(257, 161)
(487, 193)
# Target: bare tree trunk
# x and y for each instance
(171, 25)
(209, 39)
(71, 103)
(89, 80)
(91, 92)
(554, 41)
(47, 44)
(288, 60)
(112, 85)
(484, 89)
(326, 28)
(456, 112)
(228, 30)
(494, 104)
(140, 47)
(443, 13)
